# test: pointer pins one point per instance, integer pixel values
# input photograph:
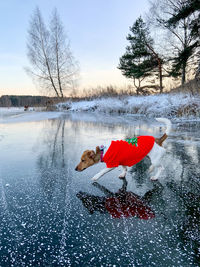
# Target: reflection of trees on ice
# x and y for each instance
(8, 217)
(130, 250)
(51, 163)
(183, 161)
(182, 181)
(189, 225)
(54, 169)
(63, 257)
(3, 201)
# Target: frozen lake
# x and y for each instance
(51, 215)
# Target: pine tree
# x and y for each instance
(140, 60)
(192, 7)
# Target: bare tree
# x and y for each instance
(178, 42)
(64, 65)
(52, 63)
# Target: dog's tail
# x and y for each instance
(168, 123)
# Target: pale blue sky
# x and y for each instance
(97, 30)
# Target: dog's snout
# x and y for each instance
(76, 169)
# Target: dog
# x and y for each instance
(128, 153)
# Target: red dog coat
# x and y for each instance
(123, 153)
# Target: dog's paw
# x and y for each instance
(153, 178)
(95, 178)
(122, 176)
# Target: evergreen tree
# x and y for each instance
(192, 7)
(140, 59)
(178, 44)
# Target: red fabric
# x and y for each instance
(130, 206)
(123, 153)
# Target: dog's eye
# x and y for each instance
(82, 160)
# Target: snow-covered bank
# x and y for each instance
(15, 115)
(167, 105)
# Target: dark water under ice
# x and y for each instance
(51, 215)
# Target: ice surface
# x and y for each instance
(15, 115)
(44, 223)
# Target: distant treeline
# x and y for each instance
(23, 100)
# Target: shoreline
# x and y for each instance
(177, 107)
(89, 116)
(166, 105)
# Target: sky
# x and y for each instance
(97, 30)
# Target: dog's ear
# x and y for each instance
(98, 150)
(91, 154)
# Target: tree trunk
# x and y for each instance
(46, 59)
(160, 75)
(159, 65)
(184, 60)
(183, 73)
(58, 67)
(137, 87)
(197, 75)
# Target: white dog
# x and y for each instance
(127, 153)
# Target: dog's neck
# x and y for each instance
(97, 157)
(99, 154)
(102, 147)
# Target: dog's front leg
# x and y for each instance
(123, 174)
(101, 173)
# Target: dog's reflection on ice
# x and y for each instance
(120, 204)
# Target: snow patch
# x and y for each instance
(165, 105)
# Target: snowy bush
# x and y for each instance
(167, 105)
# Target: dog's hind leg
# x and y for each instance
(151, 168)
(123, 174)
(155, 156)
(155, 177)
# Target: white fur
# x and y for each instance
(123, 174)
(155, 156)
(101, 173)
(168, 124)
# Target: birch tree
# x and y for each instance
(49, 54)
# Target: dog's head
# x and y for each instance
(88, 158)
